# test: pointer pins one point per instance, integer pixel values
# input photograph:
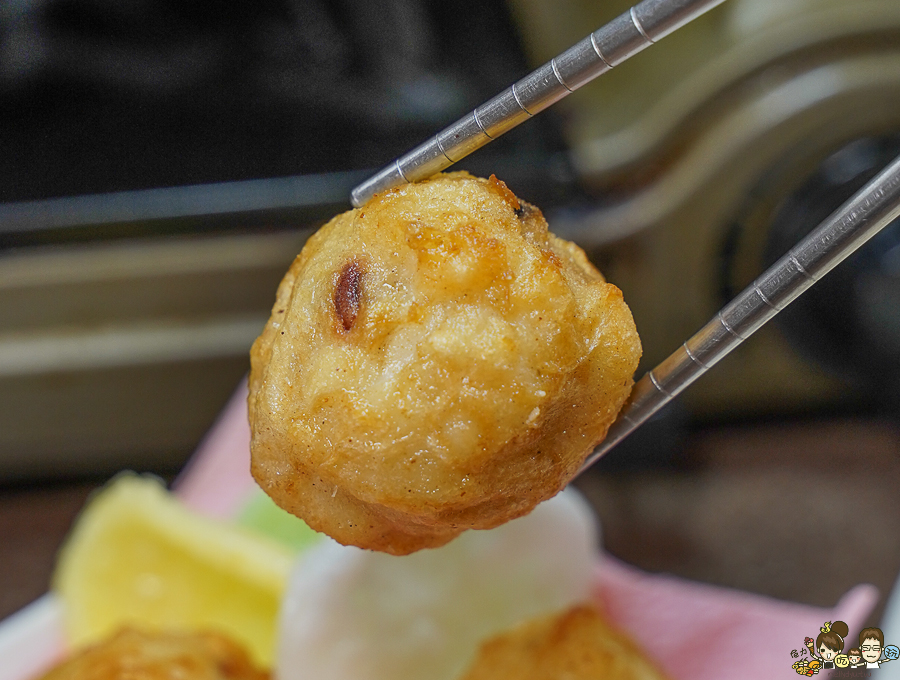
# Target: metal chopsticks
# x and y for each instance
(609, 46)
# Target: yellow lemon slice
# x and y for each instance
(137, 556)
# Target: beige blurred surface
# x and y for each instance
(799, 511)
(102, 342)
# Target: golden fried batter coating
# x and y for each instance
(134, 655)
(575, 645)
(435, 361)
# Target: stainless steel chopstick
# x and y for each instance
(620, 39)
(874, 207)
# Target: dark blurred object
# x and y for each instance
(34, 522)
(656, 445)
(849, 323)
(99, 96)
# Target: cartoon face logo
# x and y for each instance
(828, 650)
(871, 650)
(826, 653)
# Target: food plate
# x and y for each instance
(694, 631)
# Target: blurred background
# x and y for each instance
(161, 163)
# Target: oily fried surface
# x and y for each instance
(135, 655)
(435, 361)
(575, 645)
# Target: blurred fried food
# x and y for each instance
(435, 361)
(136, 655)
(575, 645)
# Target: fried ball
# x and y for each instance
(576, 645)
(435, 361)
(138, 655)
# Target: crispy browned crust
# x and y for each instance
(574, 645)
(435, 361)
(137, 655)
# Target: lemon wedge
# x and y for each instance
(138, 557)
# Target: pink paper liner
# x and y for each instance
(698, 632)
(217, 480)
